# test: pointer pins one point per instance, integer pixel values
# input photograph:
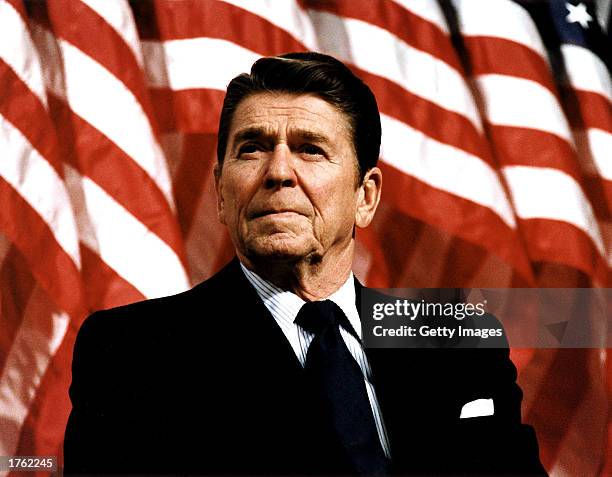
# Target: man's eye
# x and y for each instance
(249, 148)
(311, 150)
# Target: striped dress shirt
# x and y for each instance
(284, 307)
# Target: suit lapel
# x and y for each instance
(258, 322)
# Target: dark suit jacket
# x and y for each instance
(205, 382)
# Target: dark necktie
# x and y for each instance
(339, 388)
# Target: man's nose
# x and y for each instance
(280, 170)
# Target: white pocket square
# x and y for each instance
(477, 408)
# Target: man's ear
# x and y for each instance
(369, 197)
(219, 193)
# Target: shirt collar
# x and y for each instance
(285, 305)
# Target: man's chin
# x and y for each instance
(279, 251)
(275, 255)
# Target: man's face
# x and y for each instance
(289, 188)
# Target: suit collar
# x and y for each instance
(285, 305)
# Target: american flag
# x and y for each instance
(496, 152)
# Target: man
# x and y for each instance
(260, 369)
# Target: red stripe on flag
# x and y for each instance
(589, 110)
(16, 285)
(378, 275)
(388, 15)
(559, 394)
(457, 216)
(549, 240)
(97, 157)
(498, 56)
(105, 288)
(42, 432)
(19, 7)
(52, 267)
(197, 164)
(189, 110)
(195, 18)
(599, 192)
(537, 149)
(23, 109)
(208, 244)
(106, 46)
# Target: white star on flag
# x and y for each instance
(578, 14)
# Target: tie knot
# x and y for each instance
(315, 316)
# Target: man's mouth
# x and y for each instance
(276, 212)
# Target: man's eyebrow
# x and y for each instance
(312, 136)
(256, 132)
(249, 133)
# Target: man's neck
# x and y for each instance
(309, 279)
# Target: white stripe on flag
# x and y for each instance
(522, 103)
(124, 243)
(40, 186)
(119, 16)
(499, 19)
(428, 10)
(287, 15)
(545, 193)
(444, 167)
(586, 71)
(600, 143)
(171, 63)
(103, 101)
(17, 50)
(40, 335)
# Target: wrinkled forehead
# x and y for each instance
(285, 114)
